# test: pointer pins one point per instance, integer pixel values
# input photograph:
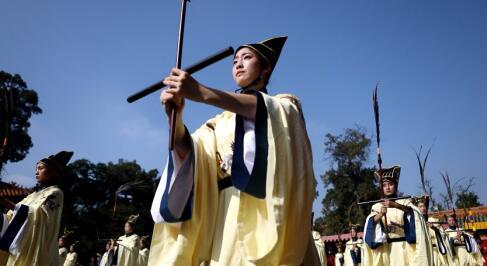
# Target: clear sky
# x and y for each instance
(85, 57)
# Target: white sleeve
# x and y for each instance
(249, 144)
(174, 188)
(13, 230)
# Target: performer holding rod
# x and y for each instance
(407, 241)
(32, 225)
(395, 232)
(239, 190)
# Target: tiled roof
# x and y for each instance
(12, 190)
(343, 237)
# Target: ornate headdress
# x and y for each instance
(390, 174)
(133, 219)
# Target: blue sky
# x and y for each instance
(85, 57)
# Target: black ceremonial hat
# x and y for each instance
(58, 161)
(269, 49)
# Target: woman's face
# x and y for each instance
(451, 221)
(422, 208)
(129, 229)
(61, 242)
(247, 67)
(389, 188)
(353, 233)
(43, 173)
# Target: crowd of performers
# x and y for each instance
(400, 232)
(237, 191)
(129, 249)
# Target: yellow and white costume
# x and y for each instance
(29, 233)
(104, 259)
(320, 247)
(467, 251)
(63, 252)
(408, 241)
(143, 257)
(442, 251)
(339, 259)
(353, 260)
(71, 259)
(127, 250)
(263, 207)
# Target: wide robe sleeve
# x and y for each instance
(30, 238)
(276, 195)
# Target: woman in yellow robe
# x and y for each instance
(143, 258)
(128, 244)
(339, 256)
(442, 252)
(353, 248)
(467, 251)
(407, 240)
(238, 191)
(29, 231)
(72, 257)
(63, 251)
(320, 247)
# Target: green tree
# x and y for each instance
(17, 103)
(348, 180)
(467, 199)
(90, 191)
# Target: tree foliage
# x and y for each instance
(17, 103)
(347, 181)
(89, 198)
(467, 199)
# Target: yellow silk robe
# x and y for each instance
(63, 252)
(338, 257)
(348, 249)
(320, 247)
(37, 241)
(143, 257)
(128, 251)
(462, 256)
(104, 259)
(71, 259)
(441, 246)
(230, 227)
(397, 253)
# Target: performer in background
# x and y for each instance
(339, 256)
(467, 251)
(63, 251)
(239, 190)
(442, 252)
(320, 247)
(72, 257)
(32, 225)
(143, 251)
(108, 258)
(353, 248)
(128, 244)
(405, 239)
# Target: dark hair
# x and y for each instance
(263, 64)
